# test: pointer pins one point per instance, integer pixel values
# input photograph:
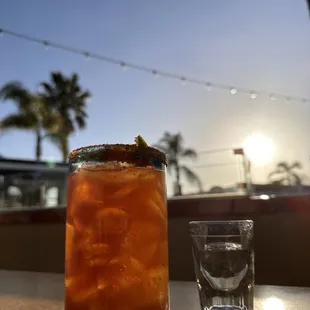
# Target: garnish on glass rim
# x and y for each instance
(140, 142)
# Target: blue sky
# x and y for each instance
(262, 45)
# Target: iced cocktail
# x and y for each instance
(116, 229)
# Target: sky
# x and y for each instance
(261, 45)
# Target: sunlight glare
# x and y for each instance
(273, 304)
(259, 149)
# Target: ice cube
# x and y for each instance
(161, 255)
(97, 255)
(85, 200)
(82, 287)
(111, 221)
(155, 212)
(142, 241)
(122, 275)
(154, 288)
(152, 292)
(70, 234)
(160, 200)
(123, 192)
(73, 255)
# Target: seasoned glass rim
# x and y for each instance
(128, 153)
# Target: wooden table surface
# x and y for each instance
(42, 291)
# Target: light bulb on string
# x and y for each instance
(86, 55)
(208, 86)
(183, 80)
(253, 95)
(233, 91)
(46, 45)
(272, 97)
(155, 74)
(123, 66)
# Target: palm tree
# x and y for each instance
(172, 145)
(66, 98)
(32, 113)
(285, 174)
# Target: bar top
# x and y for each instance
(35, 291)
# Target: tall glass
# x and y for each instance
(116, 229)
(224, 264)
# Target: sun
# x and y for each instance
(259, 149)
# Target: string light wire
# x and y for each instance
(153, 71)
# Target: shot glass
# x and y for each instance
(224, 263)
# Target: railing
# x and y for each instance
(21, 191)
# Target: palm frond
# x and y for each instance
(179, 138)
(279, 182)
(60, 140)
(296, 165)
(16, 92)
(172, 161)
(51, 122)
(177, 143)
(74, 78)
(18, 121)
(47, 88)
(192, 177)
(85, 95)
(189, 153)
(286, 174)
(283, 166)
(65, 96)
(166, 138)
(172, 142)
(81, 122)
(276, 172)
(58, 79)
(296, 179)
(55, 138)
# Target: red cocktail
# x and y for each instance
(116, 229)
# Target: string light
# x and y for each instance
(233, 91)
(208, 86)
(123, 66)
(253, 95)
(272, 97)
(86, 55)
(46, 45)
(155, 72)
(183, 80)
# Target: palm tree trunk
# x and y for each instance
(38, 144)
(65, 148)
(178, 187)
